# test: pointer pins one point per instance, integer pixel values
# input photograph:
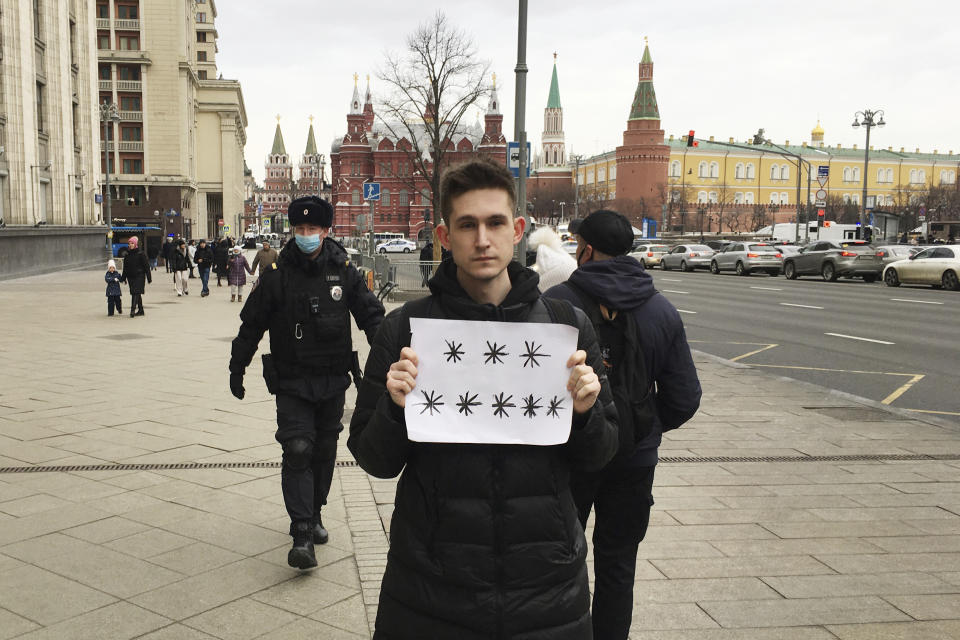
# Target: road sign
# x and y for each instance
(820, 203)
(371, 191)
(922, 218)
(226, 229)
(220, 222)
(98, 198)
(260, 208)
(823, 174)
(513, 158)
(821, 194)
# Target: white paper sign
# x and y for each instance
(490, 382)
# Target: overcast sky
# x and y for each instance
(720, 68)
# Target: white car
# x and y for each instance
(398, 245)
(938, 266)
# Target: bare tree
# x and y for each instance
(432, 85)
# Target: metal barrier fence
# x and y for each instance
(407, 275)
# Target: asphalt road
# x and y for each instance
(899, 346)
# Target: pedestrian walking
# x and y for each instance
(237, 270)
(204, 260)
(165, 250)
(191, 252)
(485, 541)
(153, 252)
(426, 263)
(136, 270)
(264, 259)
(656, 388)
(221, 253)
(180, 263)
(114, 294)
(306, 300)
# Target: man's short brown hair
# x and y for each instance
(482, 173)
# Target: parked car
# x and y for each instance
(746, 257)
(718, 245)
(832, 259)
(893, 252)
(937, 266)
(397, 245)
(687, 257)
(649, 255)
(570, 246)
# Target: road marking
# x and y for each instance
(753, 353)
(899, 392)
(802, 306)
(843, 335)
(673, 291)
(766, 288)
(941, 413)
(685, 311)
(915, 301)
(671, 280)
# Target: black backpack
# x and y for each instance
(626, 369)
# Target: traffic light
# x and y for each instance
(690, 140)
(821, 216)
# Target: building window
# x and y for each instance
(132, 165)
(675, 169)
(355, 197)
(131, 134)
(133, 195)
(202, 74)
(714, 170)
(613, 172)
(201, 56)
(201, 36)
(947, 177)
(201, 17)
(602, 174)
(750, 171)
(104, 72)
(785, 172)
(702, 170)
(856, 174)
(913, 176)
(129, 103)
(127, 12)
(748, 197)
(702, 197)
(103, 41)
(36, 19)
(402, 198)
(784, 198)
(921, 176)
(774, 172)
(738, 197)
(128, 43)
(129, 72)
(738, 172)
(712, 197)
(41, 125)
(385, 197)
(103, 11)
(855, 198)
(589, 176)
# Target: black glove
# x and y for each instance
(236, 385)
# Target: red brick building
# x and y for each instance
(369, 152)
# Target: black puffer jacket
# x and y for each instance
(484, 541)
(136, 269)
(180, 261)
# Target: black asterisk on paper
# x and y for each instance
(532, 353)
(530, 406)
(454, 352)
(500, 405)
(555, 405)
(495, 353)
(467, 402)
(432, 402)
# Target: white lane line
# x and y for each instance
(674, 291)
(915, 301)
(685, 311)
(802, 306)
(671, 280)
(841, 335)
(766, 288)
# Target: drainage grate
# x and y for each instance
(126, 336)
(174, 466)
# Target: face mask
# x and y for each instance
(308, 244)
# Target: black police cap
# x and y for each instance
(310, 210)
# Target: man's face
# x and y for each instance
(266, 245)
(481, 233)
(309, 230)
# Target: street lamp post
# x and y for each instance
(561, 211)
(109, 113)
(869, 122)
(576, 185)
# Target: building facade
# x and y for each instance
(372, 152)
(48, 121)
(176, 154)
(280, 186)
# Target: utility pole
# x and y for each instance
(576, 185)
(869, 123)
(519, 124)
(109, 113)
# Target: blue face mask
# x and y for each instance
(308, 244)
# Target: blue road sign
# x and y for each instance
(371, 190)
(513, 158)
(823, 171)
(259, 208)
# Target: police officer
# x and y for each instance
(305, 300)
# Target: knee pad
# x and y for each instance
(298, 454)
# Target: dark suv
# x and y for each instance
(832, 259)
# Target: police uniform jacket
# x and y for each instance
(484, 540)
(306, 305)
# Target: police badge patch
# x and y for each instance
(336, 293)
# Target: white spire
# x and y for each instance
(493, 108)
(356, 107)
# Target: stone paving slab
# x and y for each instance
(750, 550)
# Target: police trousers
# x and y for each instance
(621, 496)
(308, 431)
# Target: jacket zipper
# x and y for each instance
(498, 540)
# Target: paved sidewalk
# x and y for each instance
(783, 510)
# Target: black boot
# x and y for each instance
(301, 555)
(320, 535)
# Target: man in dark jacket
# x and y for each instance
(204, 259)
(264, 259)
(220, 256)
(484, 540)
(180, 263)
(622, 493)
(305, 300)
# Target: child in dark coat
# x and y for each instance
(112, 276)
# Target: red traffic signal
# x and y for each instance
(690, 140)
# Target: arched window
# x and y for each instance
(748, 197)
(881, 175)
(702, 170)
(856, 174)
(785, 172)
(738, 172)
(750, 172)
(601, 174)
(847, 174)
(913, 176)
(774, 171)
(855, 198)
(356, 196)
(675, 169)
(702, 196)
(846, 198)
(921, 175)
(714, 170)
(613, 172)
(738, 197)
(712, 197)
(402, 198)
(774, 198)
(784, 197)
(385, 197)
(890, 175)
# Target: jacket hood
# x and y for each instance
(515, 307)
(618, 283)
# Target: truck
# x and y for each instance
(787, 231)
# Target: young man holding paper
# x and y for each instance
(485, 541)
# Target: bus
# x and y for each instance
(944, 230)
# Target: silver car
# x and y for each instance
(892, 252)
(937, 266)
(649, 255)
(687, 257)
(746, 257)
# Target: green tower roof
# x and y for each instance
(278, 147)
(646, 59)
(311, 143)
(645, 99)
(553, 102)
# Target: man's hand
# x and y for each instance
(402, 377)
(583, 385)
(236, 385)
